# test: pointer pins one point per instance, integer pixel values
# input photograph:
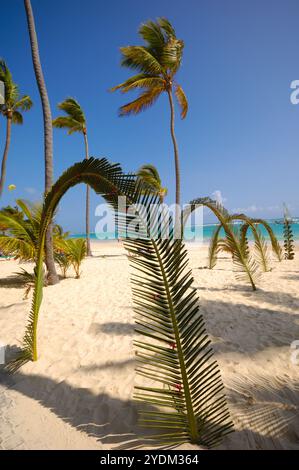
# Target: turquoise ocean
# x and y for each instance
(205, 232)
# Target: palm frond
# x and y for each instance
(140, 81)
(74, 250)
(165, 24)
(144, 101)
(66, 122)
(24, 103)
(247, 267)
(288, 240)
(17, 117)
(276, 248)
(152, 34)
(214, 248)
(261, 251)
(182, 100)
(140, 58)
(73, 109)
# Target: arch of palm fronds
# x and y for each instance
(236, 242)
(260, 245)
(174, 355)
(246, 265)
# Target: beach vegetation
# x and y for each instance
(12, 109)
(174, 349)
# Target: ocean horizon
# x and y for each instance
(204, 232)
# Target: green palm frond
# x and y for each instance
(151, 179)
(288, 240)
(247, 267)
(17, 117)
(144, 101)
(24, 103)
(261, 251)
(74, 249)
(20, 241)
(65, 122)
(140, 81)
(140, 58)
(153, 35)
(175, 352)
(214, 248)
(13, 100)
(189, 398)
(182, 100)
(74, 120)
(276, 248)
(167, 27)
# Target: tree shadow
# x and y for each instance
(111, 328)
(265, 411)
(12, 282)
(258, 295)
(260, 326)
(108, 365)
(110, 420)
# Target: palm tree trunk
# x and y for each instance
(177, 167)
(87, 221)
(5, 154)
(48, 135)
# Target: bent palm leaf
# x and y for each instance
(247, 267)
(214, 248)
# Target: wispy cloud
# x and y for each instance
(217, 196)
(30, 190)
(254, 208)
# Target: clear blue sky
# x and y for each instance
(241, 136)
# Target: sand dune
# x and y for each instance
(79, 393)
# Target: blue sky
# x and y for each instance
(241, 136)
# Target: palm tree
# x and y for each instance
(75, 121)
(157, 64)
(11, 109)
(48, 134)
(150, 176)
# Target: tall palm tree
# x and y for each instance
(150, 176)
(157, 64)
(11, 109)
(48, 134)
(75, 121)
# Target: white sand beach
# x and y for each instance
(78, 395)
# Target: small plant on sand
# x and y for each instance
(71, 252)
(288, 240)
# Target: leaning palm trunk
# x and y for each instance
(48, 134)
(177, 167)
(188, 404)
(88, 249)
(5, 154)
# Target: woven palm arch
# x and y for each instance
(247, 267)
(235, 242)
(261, 249)
(174, 350)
